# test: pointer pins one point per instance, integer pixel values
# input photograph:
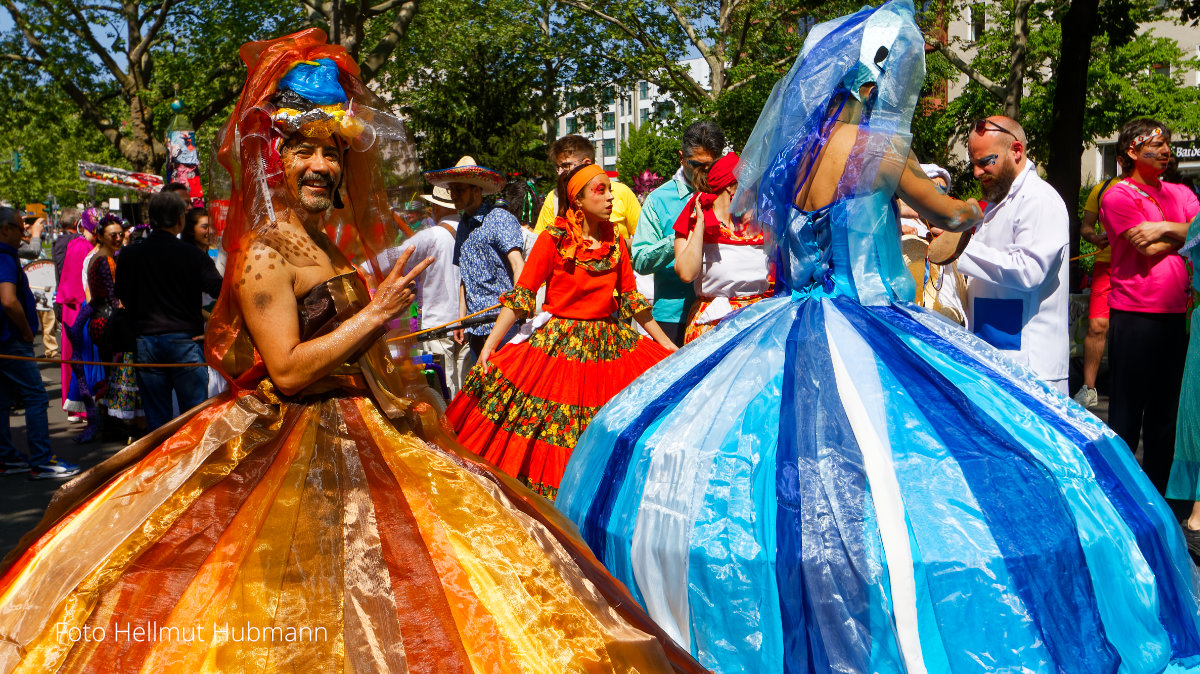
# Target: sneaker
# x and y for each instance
(1192, 536)
(13, 467)
(75, 419)
(1088, 397)
(53, 469)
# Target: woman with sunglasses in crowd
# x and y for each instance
(720, 253)
(118, 393)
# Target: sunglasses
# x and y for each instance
(982, 126)
(984, 162)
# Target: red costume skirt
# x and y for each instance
(526, 414)
(694, 329)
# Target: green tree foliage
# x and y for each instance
(747, 44)
(471, 110)
(648, 147)
(50, 155)
(1130, 80)
(120, 63)
(368, 29)
(487, 79)
(1125, 79)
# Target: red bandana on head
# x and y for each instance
(720, 176)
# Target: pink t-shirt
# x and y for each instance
(1156, 284)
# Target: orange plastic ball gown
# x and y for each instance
(338, 529)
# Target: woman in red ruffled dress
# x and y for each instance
(525, 408)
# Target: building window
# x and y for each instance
(610, 121)
(645, 115)
(1163, 70)
(572, 125)
(977, 22)
(610, 147)
(664, 109)
(644, 89)
(610, 95)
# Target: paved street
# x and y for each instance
(22, 500)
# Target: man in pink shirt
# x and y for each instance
(1147, 339)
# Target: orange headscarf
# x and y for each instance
(571, 245)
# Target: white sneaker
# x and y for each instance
(75, 419)
(1088, 397)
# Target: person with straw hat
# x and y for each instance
(487, 246)
(438, 286)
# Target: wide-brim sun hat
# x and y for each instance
(440, 197)
(468, 172)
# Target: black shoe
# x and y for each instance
(1192, 536)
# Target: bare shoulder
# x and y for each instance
(293, 246)
(264, 277)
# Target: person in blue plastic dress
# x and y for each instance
(836, 480)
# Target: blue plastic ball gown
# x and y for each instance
(835, 480)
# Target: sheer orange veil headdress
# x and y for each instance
(377, 155)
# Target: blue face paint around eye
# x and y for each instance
(984, 162)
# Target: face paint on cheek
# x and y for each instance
(1150, 155)
(598, 190)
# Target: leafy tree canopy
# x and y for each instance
(1127, 77)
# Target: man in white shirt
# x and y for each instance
(437, 286)
(1016, 263)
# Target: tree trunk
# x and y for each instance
(141, 146)
(716, 68)
(549, 97)
(1070, 97)
(549, 83)
(1020, 44)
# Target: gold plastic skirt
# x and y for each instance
(263, 536)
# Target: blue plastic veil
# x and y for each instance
(881, 46)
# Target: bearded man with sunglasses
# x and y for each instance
(1016, 263)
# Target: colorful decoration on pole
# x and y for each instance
(183, 160)
(110, 175)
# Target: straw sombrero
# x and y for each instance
(467, 171)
